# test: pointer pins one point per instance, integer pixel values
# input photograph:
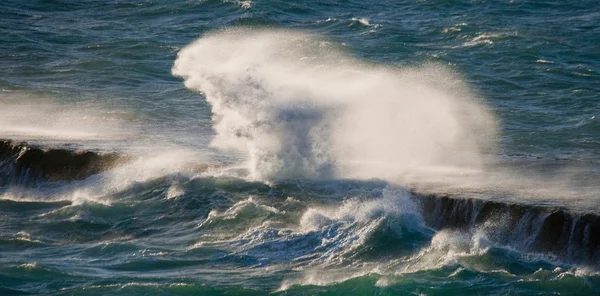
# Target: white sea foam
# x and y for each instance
(175, 191)
(363, 21)
(29, 266)
(542, 61)
(447, 248)
(456, 28)
(99, 188)
(395, 202)
(487, 38)
(299, 107)
(348, 227)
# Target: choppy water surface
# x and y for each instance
(277, 147)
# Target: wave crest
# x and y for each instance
(300, 107)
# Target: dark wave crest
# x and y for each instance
(22, 163)
(568, 235)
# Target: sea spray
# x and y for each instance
(301, 107)
(44, 119)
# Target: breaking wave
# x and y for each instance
(300, 107)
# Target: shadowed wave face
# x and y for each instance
(23, 164)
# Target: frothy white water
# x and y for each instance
(101, 187)
(300, 107)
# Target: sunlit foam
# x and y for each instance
(300, 107)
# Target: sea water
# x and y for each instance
(280, 147)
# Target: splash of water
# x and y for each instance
(300, 107)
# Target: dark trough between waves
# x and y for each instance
(21, 163)
(567, 236)
(561, 233)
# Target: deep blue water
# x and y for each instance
(100, 75)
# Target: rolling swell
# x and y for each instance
(563, 234)
(21, 163)
(568, 236)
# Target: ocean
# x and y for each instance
(217, 147)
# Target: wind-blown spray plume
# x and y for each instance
(302, 108)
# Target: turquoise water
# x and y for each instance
(314, 118)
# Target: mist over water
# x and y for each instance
(34, 118)
(300, 106)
